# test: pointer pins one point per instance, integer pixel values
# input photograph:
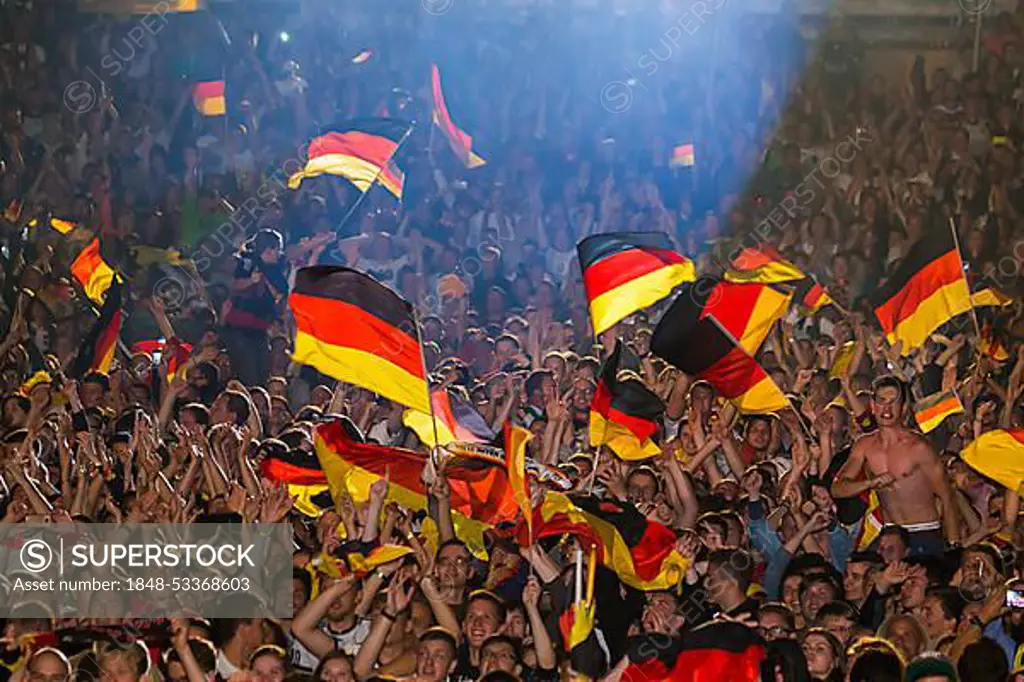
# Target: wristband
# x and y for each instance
(387, 615)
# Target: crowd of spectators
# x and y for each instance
(576, 108)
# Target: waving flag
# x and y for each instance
(624, 415)
(92, 272)
(460, 142)
(999, 455)
(765, 265)
(353, 328)
(717, 651)
(97, 351)
(362, 152)
(516, 438)
(208, 98)
(307, 484)
(626, 271)
(454, 418)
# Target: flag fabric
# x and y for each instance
(362, 152)
(174, 351)
(682, 156)
(841, 361)
(624, 415)
(721, 651)
(363, 57)
(626, 271)
(480, 490)
(690, 337)
(763, 265)
(641, 552)
(999, 455)
(362, 564)
(307, 484)
(927, 290)
(576, 624)
(516, 438)
(991, 344)
(990, 296)
(208, 98)
(459, 141)
(62, 226)
(141, 7)
(748, 311)
(932, 410)
(92, 272)
(811, 296)
(353, 328)
(454, 418)
(871, 523)
(97, 351)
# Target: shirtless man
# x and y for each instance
(905, 472)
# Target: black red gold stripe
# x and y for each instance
(926, 291)
(626, 271)
(353, 328)
(624, 415)
(719, 650)
(459, 141)
(362, 152)
(208, 98)
(92, 272)
(931, 411)
(762, 264)
(690, 337)
(97, 351)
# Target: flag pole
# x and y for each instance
(974, 312)
(426, 374)
(362, 197)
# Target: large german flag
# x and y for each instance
(641, 552)
(999, 455)
(92, 272)
(926, 291)
(97, 351)
(454, 420)
(749, 310)
(626, 271)
(460, 142)
(719, 651)
(353, 328)
(306, 481)
(690, 337)
(624, 414)
(480, 490)
(361, 152)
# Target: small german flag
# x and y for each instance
(307, 484)
(454, 420)
(690, 337)
(362, 152)
(764, 265)
(927, 290)
(92, 272)
(62, 226)
(811, 296)
(932, 410)
(626, 271)
(460, 142)
(516, 438)
(361, 564)
(97, 351)
(173, 351)
(353, 328)
(719, 651)
(999, 455)
(872, 522)
(577, 627)
(990, 296)
(641, 552)
(991, 343)
(208, 98)
(624, 414)
(682, 156)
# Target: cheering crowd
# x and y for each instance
(845, 535)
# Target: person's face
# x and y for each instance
(481, 622)
(840, 626)
(913, 588)
(978, 570)
(337, 670)
(759, 433)
(641, 487)
(453, 565)
(887, 406)
(498, 656)
(344, 605)
(773, 626)
(298, 595)
(701, 397)
(176, 672)
(820, 657)
(92, 394)
(934, 618)
(515, 624)
(719, 584)
(47, 667)
(268, 669)
(816, 596)
(855, 581)
(119, 667)
(904, 637)
(434, 660)
(891, 548)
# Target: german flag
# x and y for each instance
(690, 337)
(454, 418)
(749, 311)
(516, 439)
(306, 481)
(842, 360)
(719, 651)
(361, 564)
(62, 226)
(626, 271)
(926, 291)
(932, 410)
(641, 552)
(362, 152)
(763, 265)
(998, 455)
(174, 351)
(92, 272)
(353, 328)
(480, 491)
(872, 523)
(97, 352)
(624, 414)
(208, 98)
(811, 296)
(990, 296)
(991, 343)
(460, 142)
(577, 627)
(683, 156)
